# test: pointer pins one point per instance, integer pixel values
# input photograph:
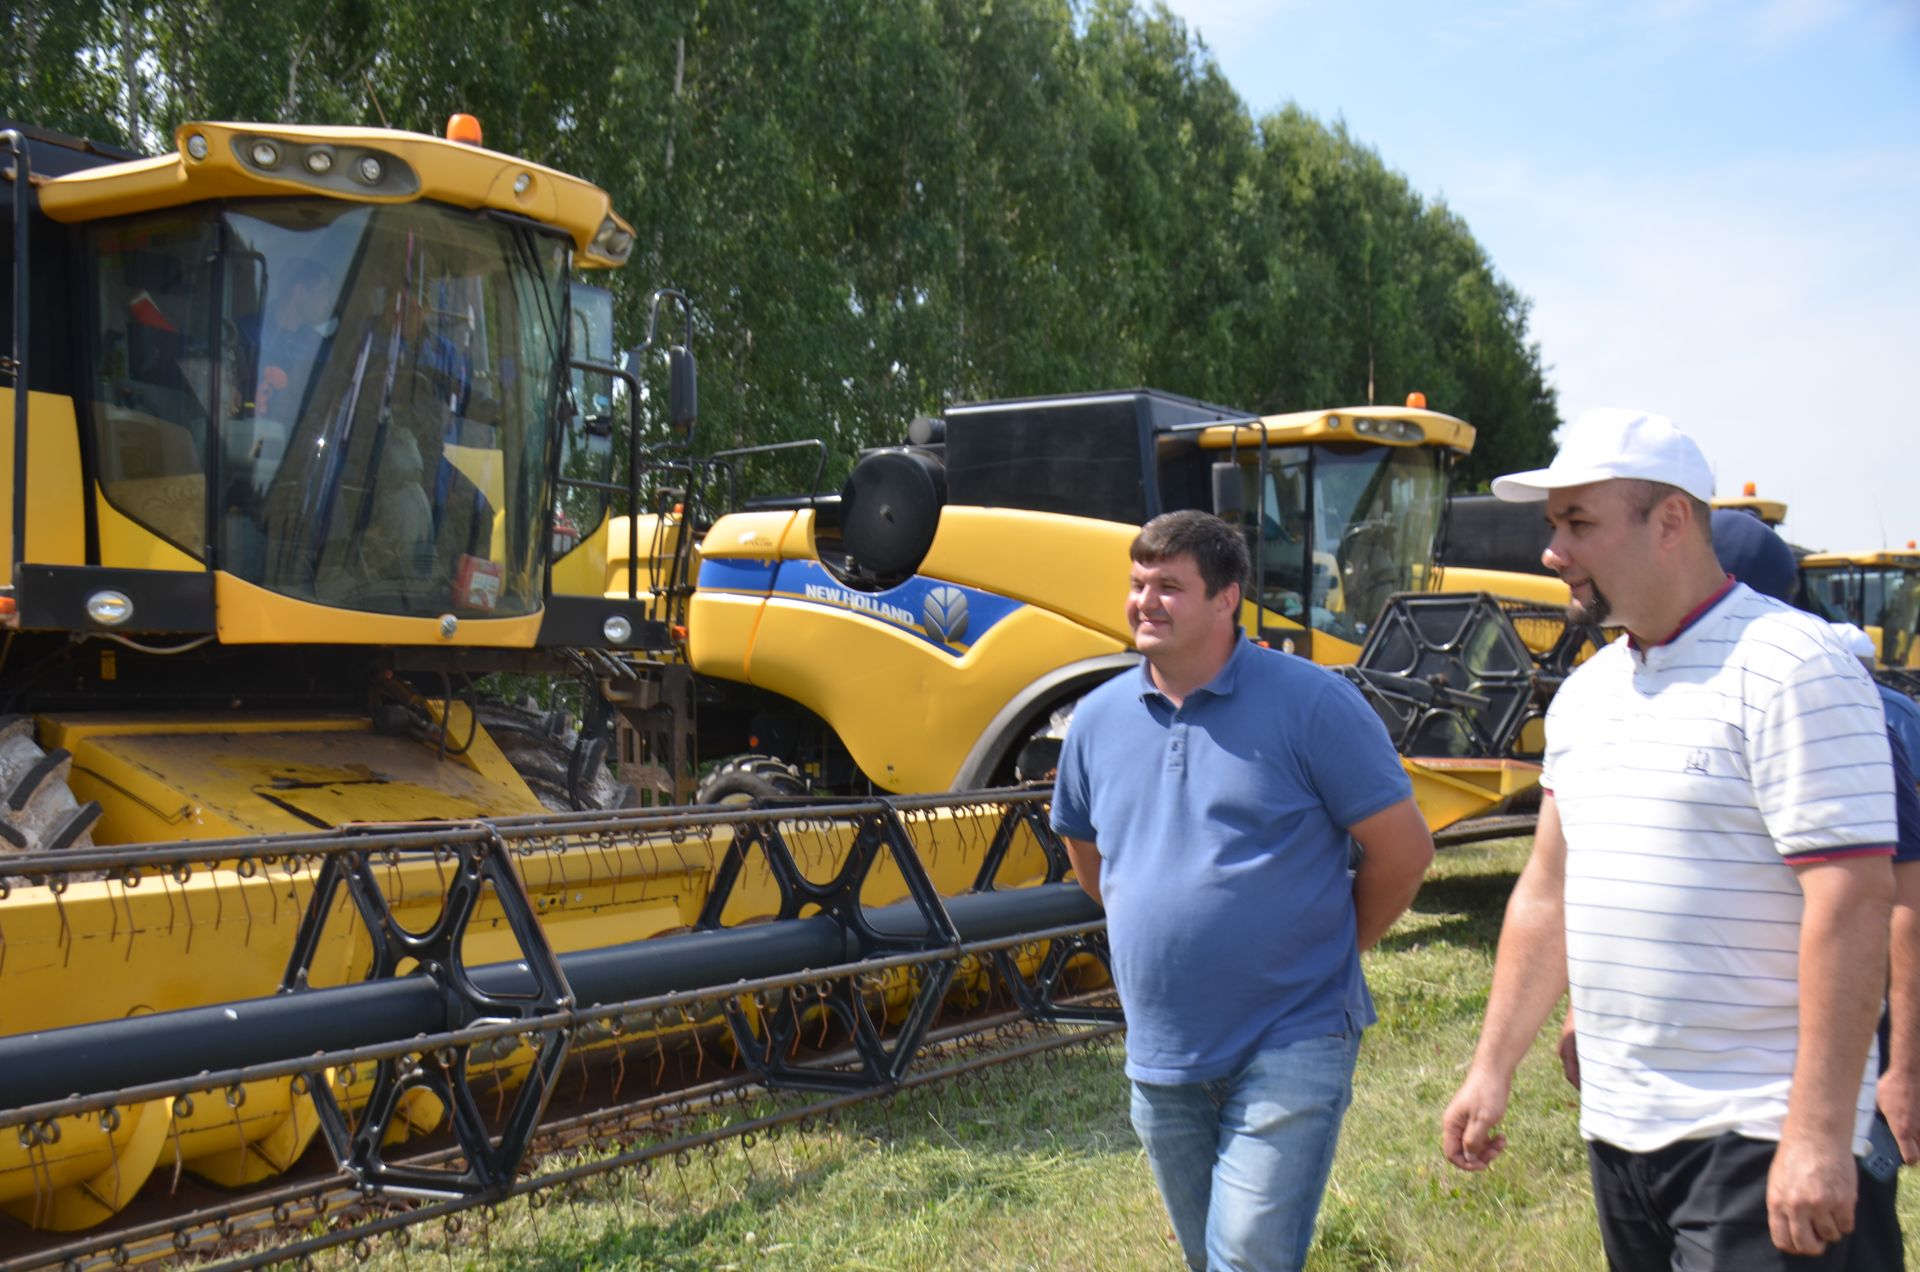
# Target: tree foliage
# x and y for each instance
(883, 208)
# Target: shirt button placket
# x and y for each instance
(1177, 745)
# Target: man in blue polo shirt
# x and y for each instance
(1208, 801)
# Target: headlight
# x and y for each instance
(109, 609)
(612, 241)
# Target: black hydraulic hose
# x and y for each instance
(112, 1055)
(138, 1050)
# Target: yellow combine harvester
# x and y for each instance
(302, 427)
(932, 626)
(1878, 591)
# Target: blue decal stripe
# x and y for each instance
(928, 609)
(724, 575)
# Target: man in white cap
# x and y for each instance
(1709, 875)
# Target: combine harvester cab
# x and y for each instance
(1878, 591)
(308, 429)
(931, 627)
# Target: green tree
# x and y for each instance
(882, 208)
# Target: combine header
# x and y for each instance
(411, 1012)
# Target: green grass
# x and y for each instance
(1036, 1167)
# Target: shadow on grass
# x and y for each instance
(1469, 909)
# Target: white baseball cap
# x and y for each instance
(1610, 442)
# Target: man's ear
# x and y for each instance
(1676, 519)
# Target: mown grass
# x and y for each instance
(1037, 1168)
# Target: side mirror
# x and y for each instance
(1227, 504)
(683, 391)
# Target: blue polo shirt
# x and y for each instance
(1903, 718)
(1222, 829)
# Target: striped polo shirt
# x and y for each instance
(1688, 777)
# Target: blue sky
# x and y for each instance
(1714, 206)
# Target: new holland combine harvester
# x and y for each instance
(971, 586)
(307, 430)
(1878, 591)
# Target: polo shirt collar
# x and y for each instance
(1662, 652)
(1223, 681)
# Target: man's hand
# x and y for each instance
(1570, 1050)
(1843, 928)
(1529, 976)
(1470, 1135)
(1899, 1099)
(1810, 1194)
(1397, 851)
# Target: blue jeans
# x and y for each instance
(1242, 1161)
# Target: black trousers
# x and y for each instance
(1695, 1206)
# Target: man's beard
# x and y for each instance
(1594, 612)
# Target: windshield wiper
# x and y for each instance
(316, 506)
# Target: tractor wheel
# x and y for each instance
(746, 778)
(38, 812)
(564, 773)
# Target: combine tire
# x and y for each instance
(38, 812)
(563, 773)
(746, 778)
(1039, 758)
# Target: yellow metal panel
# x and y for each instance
(246, 614)
(720, 632)
(126, 544)
(908, 712)
(748, 534)
(658, 538)
(1771, 511)
(797, 544)
(1338, 426)
(1330, 651)
(56, 519)
(446, 172)
(485, 467)
(218, 776)
(1074, 566)
(1449, 790)
(582, 571)
(1881, 556)
(1538, 589)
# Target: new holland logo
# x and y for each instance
(945, 614)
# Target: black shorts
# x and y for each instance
(1695, 1206)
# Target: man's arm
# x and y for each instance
(1529, 975)
(1900, 1084)
(1086, 864)
(1843, 943)
(1398, 850)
